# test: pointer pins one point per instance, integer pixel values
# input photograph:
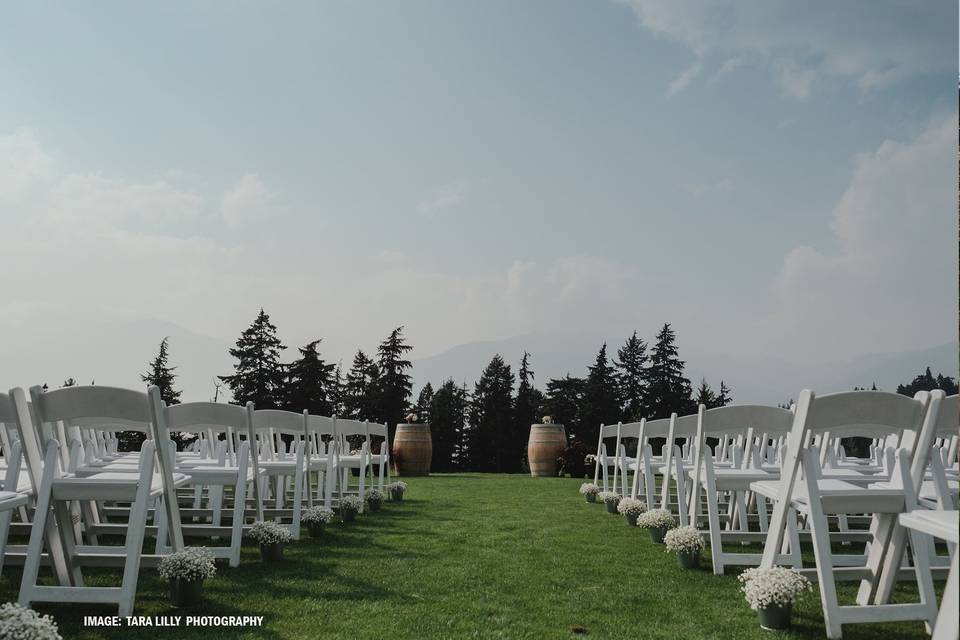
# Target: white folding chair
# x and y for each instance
(321, 457)
(346, 460)
(282, 463)
(379, 461)
(857, 413)
(54, 490)
(10, 498)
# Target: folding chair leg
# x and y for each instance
(134, 547)
(236, 533)
(716, 536)
(947, 626)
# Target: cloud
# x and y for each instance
(244, 200)
(23, 164)
(684, 78)
(699, 190)
(443, 198)
(891, 282)
(874, 44)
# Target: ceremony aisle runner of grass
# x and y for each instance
(468, 556)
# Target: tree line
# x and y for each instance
(483, 428)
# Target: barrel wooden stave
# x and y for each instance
(545, 445)
(412, 449)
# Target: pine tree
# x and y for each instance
(927, 382)
(360, 391)
(69, 382)
(424, 400)
(448, 412)
(491, 417)
(395, 384)
(667, 388)
(526, 408)
(725, 396)
(632, 377)
(600, 403)
(337, 395)
(705, 395)
(565, 404)
(258, 374)
(308, 382)
(162, 375)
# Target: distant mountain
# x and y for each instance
(759, 380)
(111, 352)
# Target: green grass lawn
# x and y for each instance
(469, 556)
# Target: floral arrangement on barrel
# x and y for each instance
(571, 460)
(611, 499)
(658, 522)
(631, 509)
(271, 536)
(687, 543)
(396, 490)
(772, 593)
(349, 507)
(589, 491)
(316, 518)
(186, 570)
(375, 499)
(546, 420)
(22, 622)
(411, 418)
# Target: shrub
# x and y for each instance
(572, 459)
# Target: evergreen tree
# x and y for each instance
(705, 395)
(725, 396)
(600, 402)
(309, 380)
(565, 404)
(424, 400)
(258, 374)
(360, 391)
(162, 375)
(395, 384)
(667, 388)
(448, 412)
(632, 377)
(69, 382)
(526, 409)
(491, 418)
(337, 395)
(927, 382)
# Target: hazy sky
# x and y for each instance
(771, 177)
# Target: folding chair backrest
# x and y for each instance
(377, 430)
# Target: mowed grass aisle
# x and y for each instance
(469, 556)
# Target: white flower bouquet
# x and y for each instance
(375, 499)
(656, 519)
(631, 508)
(396, 490)
(21, 622)
(193, 564)
(774, 587)
(349, 507)
(684, 540)
(589, 491)
(611, 499)
(270, 533)
(318, 515)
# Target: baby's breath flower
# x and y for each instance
(193, 563)
(683, 540)
(631, 507)
(589, 489)
(270, 532)
(18, 623)
(655, 519)
(350, 503)
(774, 587)
(318, 515)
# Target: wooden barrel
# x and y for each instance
(412, 449)
(546, 443)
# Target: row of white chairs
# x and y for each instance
(782, 477)
(69, 486)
